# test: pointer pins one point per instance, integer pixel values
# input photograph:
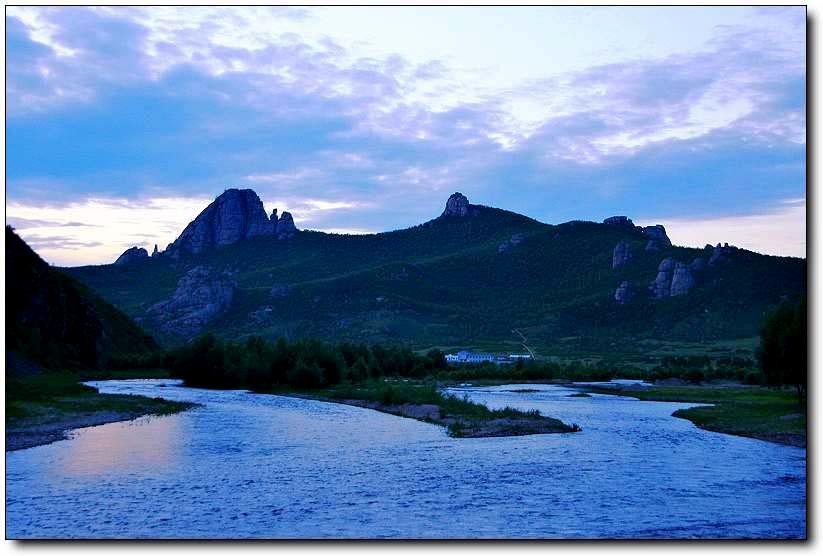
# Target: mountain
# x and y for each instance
(54, 322)
(475, 276)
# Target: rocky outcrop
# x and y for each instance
(623, 294)
(720, 254)
(285, 226)
(131, 256)
(235, 215)
(666, 265)
(661, 287)
(657, 238)
(622, 254)
(457, 205)
(200, 297)
(155, 253)
(682, 280)
(516, 239)
(619, 221)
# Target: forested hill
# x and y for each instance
(56, 323)
(473, 277)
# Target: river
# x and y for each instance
(259, 466)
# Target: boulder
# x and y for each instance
(234, 215)
(666, 265)
(682, 280)
(622, 254)
(456, 205)
(131, 256)
(200, 297)
(661, 287)
(516, 239)
(619, 221)
(623, 294)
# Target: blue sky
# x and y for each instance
(122, 123)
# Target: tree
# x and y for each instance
(782, 351)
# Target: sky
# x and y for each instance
(123, 123)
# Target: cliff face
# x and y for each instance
(235, 215)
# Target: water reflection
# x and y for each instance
(258, 466)
(145, 445)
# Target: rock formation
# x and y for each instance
(619, 221)
(682, 281)
(661, 287)
(622, 254)
(155, 253)
(201, 295)
(657, 238)
(720, 254)
(132, 255)
(666, 265)
(457, 205)
(623, 294)
(516, 239)
(285, 226)
(234, 215)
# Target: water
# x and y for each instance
(259, 466)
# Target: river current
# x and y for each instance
(259, 466)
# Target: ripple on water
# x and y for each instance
(256, 466)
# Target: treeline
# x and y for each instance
(259, 364)
(783, 347)
(701, 368)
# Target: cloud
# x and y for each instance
(139, 103)
(780, 232)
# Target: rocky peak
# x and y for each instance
(285, 226)
(132, 255)
(273, 217)
(234, 215)
(619, 221)
(657, 237)
(456, 205)
(720, 254)
(155, 253)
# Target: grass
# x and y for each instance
(757, 412)
(462, 416)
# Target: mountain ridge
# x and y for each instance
(465, 278)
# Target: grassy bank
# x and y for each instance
(422, 401)
(753, 411)
(41, 409)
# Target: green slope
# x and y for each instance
(52, 321)
(445, 284)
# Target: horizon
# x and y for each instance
(124, 123)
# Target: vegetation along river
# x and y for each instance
(262, 466)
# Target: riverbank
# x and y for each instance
(751, 411)
(462, 418)
(43, 409)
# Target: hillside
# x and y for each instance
(467, 278)
(56, 323)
